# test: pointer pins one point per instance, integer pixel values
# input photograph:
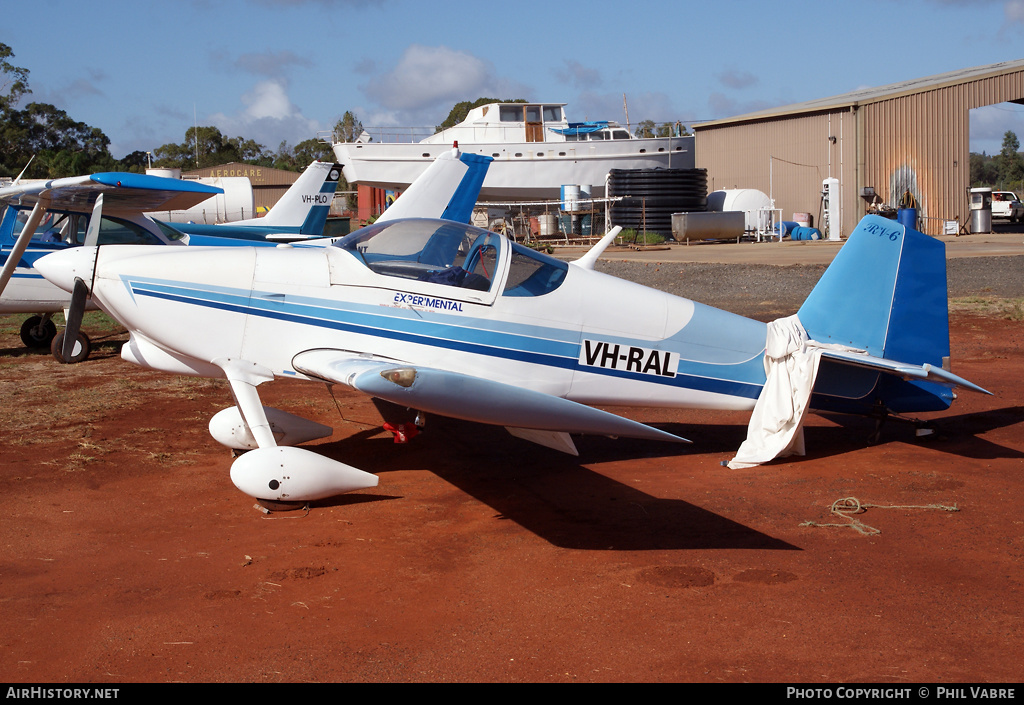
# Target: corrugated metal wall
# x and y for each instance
(921, 143)
(268, 184)
(916, 143)
(787, 158)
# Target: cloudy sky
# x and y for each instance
(283, 70)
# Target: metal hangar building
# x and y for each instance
(906, 142)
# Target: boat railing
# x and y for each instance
(471, 134)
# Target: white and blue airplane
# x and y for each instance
(441, 317)
(66, 207)
(299, 214)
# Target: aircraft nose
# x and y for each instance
(61, 268)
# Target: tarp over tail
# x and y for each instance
(881, 307)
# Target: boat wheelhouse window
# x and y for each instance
(552, 113)
(532, 113)
(620, 135)
(599, 135)
(532, 273)
(435, 251)
(511, 113)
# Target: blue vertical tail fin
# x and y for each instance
(449, 189)
(885, 292)
(306, 204)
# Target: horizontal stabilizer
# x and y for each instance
(925, 372)
(466, 397)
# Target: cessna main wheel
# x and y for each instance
(78, 353)
(38, 332)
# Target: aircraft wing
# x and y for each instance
(122, 192)
(907, 371)
(470, 398)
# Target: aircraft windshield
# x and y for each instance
(436, 251)
(532, 273)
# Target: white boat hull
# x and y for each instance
(520, 171)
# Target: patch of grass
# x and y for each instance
(76, 461)
(632, 237)
(86, 445)
(1007, 309)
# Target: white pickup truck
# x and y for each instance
(1007, 206)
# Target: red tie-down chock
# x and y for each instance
(404, 432)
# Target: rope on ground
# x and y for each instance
(849, 506)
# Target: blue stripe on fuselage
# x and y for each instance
(550, 347)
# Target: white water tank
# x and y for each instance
(164, 172)
(748, 200)
(236, 203)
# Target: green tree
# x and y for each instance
(348, 128)
(62, 146)
(984, 171)
(301, 155)
(645, 129)
(206, 146)
(312, 149)
(672, 129)
(459, 111)
(1009, 162)
(137, 162)
(13, 80)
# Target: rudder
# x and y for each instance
(885, 292)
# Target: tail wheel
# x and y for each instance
(79, 353)
(38, 332)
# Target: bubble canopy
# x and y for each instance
(454, 254)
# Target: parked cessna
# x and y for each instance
(446, 318)
(66, 207)
(449, 188)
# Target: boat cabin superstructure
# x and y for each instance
(525, 123)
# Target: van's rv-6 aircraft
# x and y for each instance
(67, 207)
(445, 318)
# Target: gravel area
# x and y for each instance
(766, 291)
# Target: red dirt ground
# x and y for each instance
(128, 555)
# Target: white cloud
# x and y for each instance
(271, 64)
(269, 116)
(647, 105)
(428, 75)
(990, 123)
(1014, 11)
(427, 81)
(577, 74)
(737, 79)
